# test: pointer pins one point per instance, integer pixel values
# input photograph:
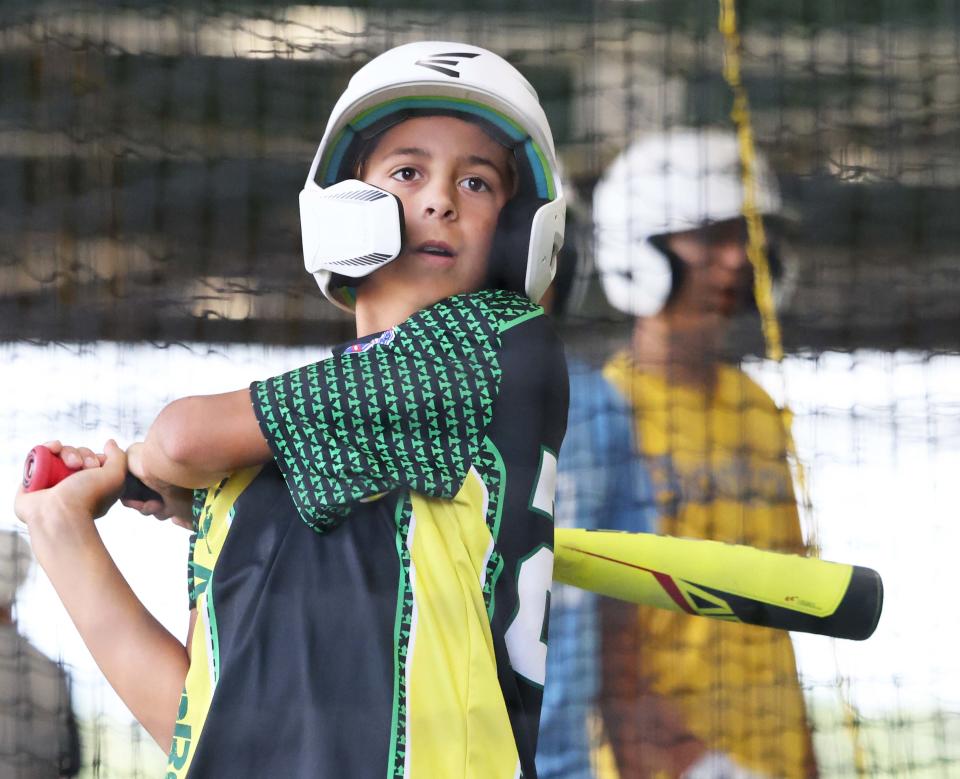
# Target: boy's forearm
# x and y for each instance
(196, 441)
(141, 660)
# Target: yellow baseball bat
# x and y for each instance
(722, 581)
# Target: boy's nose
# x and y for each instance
(729, 254)
(438, 201)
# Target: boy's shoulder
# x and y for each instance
(506, 308)
(476, 326)
(492, 310)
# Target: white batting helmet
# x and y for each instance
(350, 228)
(662, 184)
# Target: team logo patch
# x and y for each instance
(383, 339)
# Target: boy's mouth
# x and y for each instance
(437, 249)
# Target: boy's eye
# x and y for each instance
(405, 174)
(476, 184)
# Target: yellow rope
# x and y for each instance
(756, 237)
(757, 244)
(763, 294)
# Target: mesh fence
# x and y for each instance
(150, 158)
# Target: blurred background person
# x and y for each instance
(38, 731)
(681, 696)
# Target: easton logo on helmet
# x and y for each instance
(439, 62)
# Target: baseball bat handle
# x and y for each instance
(43, 469)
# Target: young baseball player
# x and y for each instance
(370, 572)
(684, 697)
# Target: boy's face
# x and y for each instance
(452, 179)
(718, 277)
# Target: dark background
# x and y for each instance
(151, 153)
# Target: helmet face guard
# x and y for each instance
(427, 79)
(374, 215)
(660, 185)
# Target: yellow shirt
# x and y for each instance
(719, 470)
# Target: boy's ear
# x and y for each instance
(507, 266)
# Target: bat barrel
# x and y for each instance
(723, 581)
(855, 617)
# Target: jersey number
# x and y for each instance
(525, 638)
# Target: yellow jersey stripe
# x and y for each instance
(204, 654)
(449, 543)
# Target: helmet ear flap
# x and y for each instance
(507, 264)
(659, 242)
(637, 277)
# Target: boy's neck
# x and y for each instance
(685, 350)
(378, 309)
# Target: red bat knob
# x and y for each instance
(43, 469)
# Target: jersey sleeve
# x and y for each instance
(408, 412)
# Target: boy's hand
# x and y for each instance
(177, 503)
(87, 493)
(76, 457)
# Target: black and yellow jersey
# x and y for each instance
(373, 603)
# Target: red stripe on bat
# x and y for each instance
(665, 580)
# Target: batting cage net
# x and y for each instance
(151, 157)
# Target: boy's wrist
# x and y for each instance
(135, 461)
(52, 520)
(140, 462)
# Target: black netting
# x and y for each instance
(150, 160)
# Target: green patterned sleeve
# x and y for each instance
(408, 412)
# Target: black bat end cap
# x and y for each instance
(859, 612)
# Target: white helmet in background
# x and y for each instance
(351, 228)
(667, 183)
